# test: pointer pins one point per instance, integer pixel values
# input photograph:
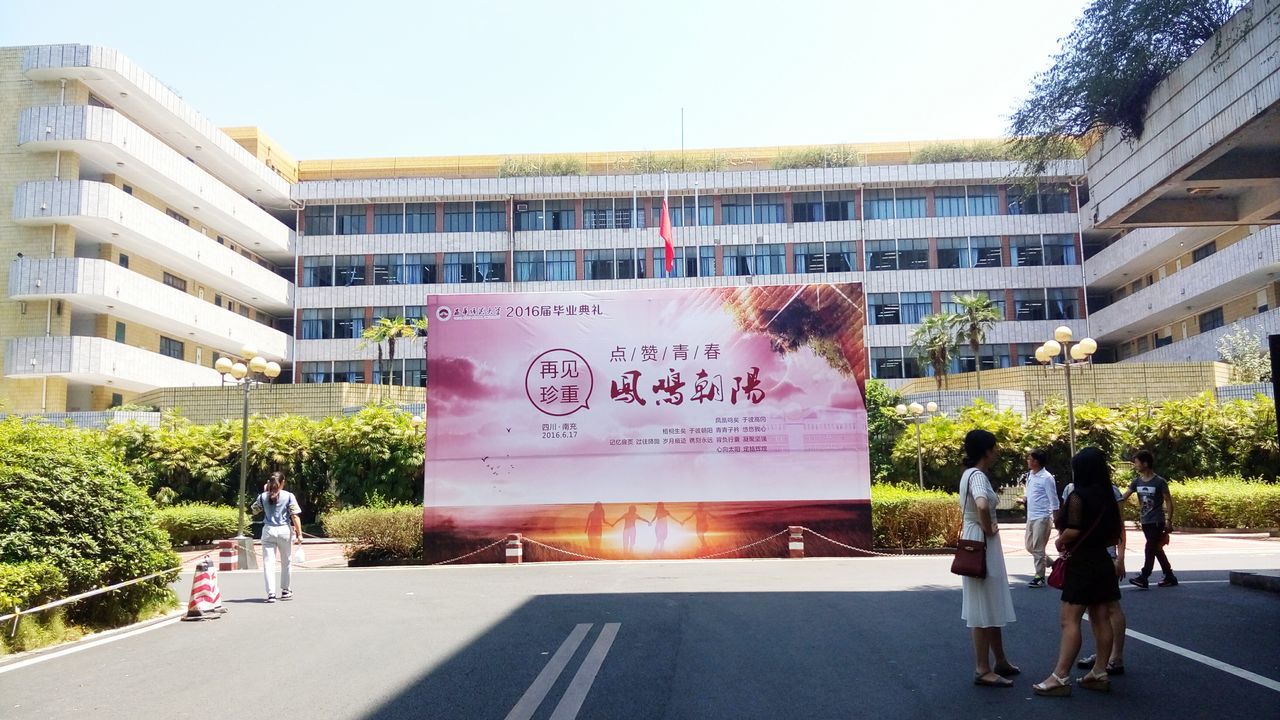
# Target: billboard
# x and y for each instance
(647, 423)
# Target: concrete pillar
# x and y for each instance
(795, 543)
(515, 549)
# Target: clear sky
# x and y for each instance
(380, 78)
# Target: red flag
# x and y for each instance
(664, 231)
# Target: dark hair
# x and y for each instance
(976, 444)
(1092, 475)
(1089, 468)
(1040, 456)
(278, 477)
(1145, 457)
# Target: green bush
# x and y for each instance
(198, 523)
(907, 517)
(942, 447)
(28, 584)
(1225, 502)
(393, 532)
(67, 500)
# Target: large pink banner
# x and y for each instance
(667, 423)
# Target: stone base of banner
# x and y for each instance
(515, 548)
(795, 543)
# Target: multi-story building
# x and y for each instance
(142, 242)
(138, 240)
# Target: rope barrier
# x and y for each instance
(864, 550)
(743, 547)
(474, 552)
(18, 612)
(560, 550)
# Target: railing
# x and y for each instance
(17, 613)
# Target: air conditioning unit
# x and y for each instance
(522, 207)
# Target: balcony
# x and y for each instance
(104, 212)
(112, 76)
(98, 361)
(109, 141)
(1226, 274)
(101, 286)
(1139, 251)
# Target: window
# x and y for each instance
(1054, 199)
(877, 205)
(684, 262)
(415, 372)
(317, 271)
(838, 205)
(738, 260)
(1197, 255)
(124, 260)
(491, 216)
(128, 189)
(806, 207)
(810, 258)
(390, 312)
(348, 371)
(217, 300)
(177, 216)
(562, 265)
(910, 203)
(883, 309)
(992, 357)
(459, 267)
(842, 256)
(389, 218)
(770, 259)
(175, 282)
(882, 255)
(530, 266)
(1029, 305)
(630, 263)
(983, 200)
(560, 215)
(1063, 303)
(388, 373)
(350, 219)
(170, 348)
(419, 217)
(317, 323)
(996, 297)
(886, 362)
(349, 270)
(491, 266)
(1019, 201)
(1025, 353)
(736, 209)
(1026, 250)
(348, 323)
(706, 261)
(418, 269)
(985, 252)
(387, 269)
(119, 332)
(529, 216)
(413, 313)
(767, 208)
(954, 253)
(598, 264)
(314, 372)
(913, 254)
(458, 217)
(597, 214)
(1210, 320)
(1165, 340)
(949, 202)
(318, 220)
(1060, 250)
(915, 306)
(117, 400)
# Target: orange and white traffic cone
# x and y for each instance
(206, 598)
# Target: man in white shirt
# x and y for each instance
(1042, 501)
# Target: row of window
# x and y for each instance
(408, 372)
(736, 260)
(909, 308)
(902, 362)
(685, 210)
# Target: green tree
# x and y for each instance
(934, 341)
(883, 427)
(1107, 68)
(976, 316)
(1243, 350)
(389, 330)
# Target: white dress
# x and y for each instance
(987, 602)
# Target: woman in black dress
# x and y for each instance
(1091, 523)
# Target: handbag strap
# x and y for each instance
(1076, 544)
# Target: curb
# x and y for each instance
(1266, 580)
(13, 658)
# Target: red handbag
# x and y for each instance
(971, 555)
(1058, 572)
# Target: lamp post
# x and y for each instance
(257, 370)
(1075, 353)
(915, 413)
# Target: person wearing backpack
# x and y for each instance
(281, 527)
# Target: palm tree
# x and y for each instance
(389, 330)
(934, 340)
(977, 315)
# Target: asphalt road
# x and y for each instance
(817, 638)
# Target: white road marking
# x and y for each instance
(91, 644)
(533, 697)
(571, 703)
(1205, 659)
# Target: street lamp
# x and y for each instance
(1079, 353)
(915, 413)
(246, 375)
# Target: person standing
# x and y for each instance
(1115, 664)
(1092, 522)
(1042, 501)
(281, 526)
(986, 605)
(1155, 502)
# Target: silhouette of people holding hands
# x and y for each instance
(628, 521)
(703, 523)
(595, 527)
(660, 529)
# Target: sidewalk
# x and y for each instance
(321, 553)
(1012, 541)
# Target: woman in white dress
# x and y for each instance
(988, 604)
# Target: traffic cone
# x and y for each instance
(206, 598)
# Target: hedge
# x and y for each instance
(374, 534)
(27, 585)
(198, 523)
(1225, 502)
(907, 517)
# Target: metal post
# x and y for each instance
(244, 544)
(919, 454)
(1071, 411)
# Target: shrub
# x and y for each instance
(66, 499)
(28, 585)
(393, 532)
(198, 523)
(907, 517)
(942, 446)
(949, 152)
(829, 156)
(1225, 502)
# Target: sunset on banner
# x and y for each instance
(641, 424)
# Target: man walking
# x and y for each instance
(1153, 498)
(1042, 501)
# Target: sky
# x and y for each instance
(380, 78)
